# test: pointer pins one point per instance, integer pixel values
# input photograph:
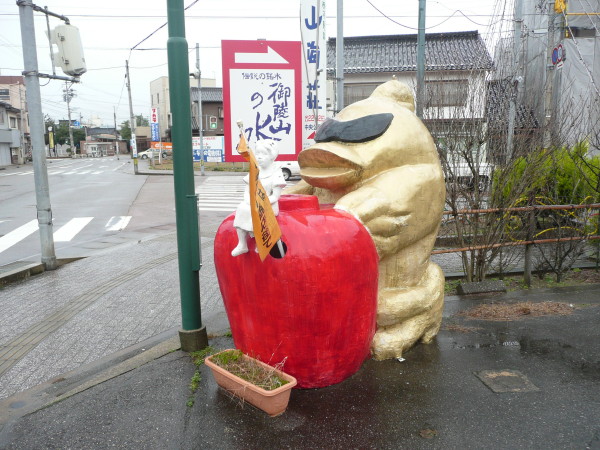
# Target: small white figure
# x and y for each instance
(273, 182)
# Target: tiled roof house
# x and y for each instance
(212, 111)
(455, 64)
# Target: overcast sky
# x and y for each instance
(111, 28)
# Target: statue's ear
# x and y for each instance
(397, 92)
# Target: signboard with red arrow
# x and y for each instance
(262, 87)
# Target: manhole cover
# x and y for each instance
(506, 381)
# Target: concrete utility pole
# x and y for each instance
(517, 79)
(421, 60)
(200, 121)
(132, 124)
(193, 334)
(339, 58)
(558, 29)
(68, 96)
(36, 126)
(21, 155)
(116, 135)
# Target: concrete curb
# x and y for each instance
(29, 270)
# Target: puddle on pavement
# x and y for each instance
(513, 344)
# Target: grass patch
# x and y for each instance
(249, 370)
(198, 360)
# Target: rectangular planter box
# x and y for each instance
(272, 402)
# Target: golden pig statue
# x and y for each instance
(378, 162)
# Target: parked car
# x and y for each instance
(290, 169)
(151, 153)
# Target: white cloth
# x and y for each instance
(270, 180)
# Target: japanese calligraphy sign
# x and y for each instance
(264, 223)
(262, 86)
(314, 76)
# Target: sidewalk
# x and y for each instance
(90, 358)
(138, 398)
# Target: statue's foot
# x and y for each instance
(239, 250)
(408, 315)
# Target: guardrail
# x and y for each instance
(529, 230)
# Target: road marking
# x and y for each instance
(97, 172)
(83, 172)
(220, 196)
(18, 234)
(117, 223)
(117, 168)
(205, 208)
(71, 228)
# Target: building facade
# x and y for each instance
(553, 70)
(161, 99)
(13, 96)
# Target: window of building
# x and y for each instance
(1, 116)
(13, 122)
(157, 99)
(4, 94)
(356, 92)
(446, 93)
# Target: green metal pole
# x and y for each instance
(193, 334)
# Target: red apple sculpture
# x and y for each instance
(316, 306)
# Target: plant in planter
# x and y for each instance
(264, 386)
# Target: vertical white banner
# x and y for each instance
(154, 128)
(314, 67)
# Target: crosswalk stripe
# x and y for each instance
(117, 223)
(71, 228)
(18, 234)
(220, 202)
(216, 209)
(224, 197)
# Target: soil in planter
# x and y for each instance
(248, 370)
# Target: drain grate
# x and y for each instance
(506, 380)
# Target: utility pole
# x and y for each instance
(339, 58)
(21, 155)
(67, 97)
(517, 79)
(200, 121)
(421, 60)
(558, 30)
(36, 125)
(193, 334)
(131, 122)
(116, 135)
